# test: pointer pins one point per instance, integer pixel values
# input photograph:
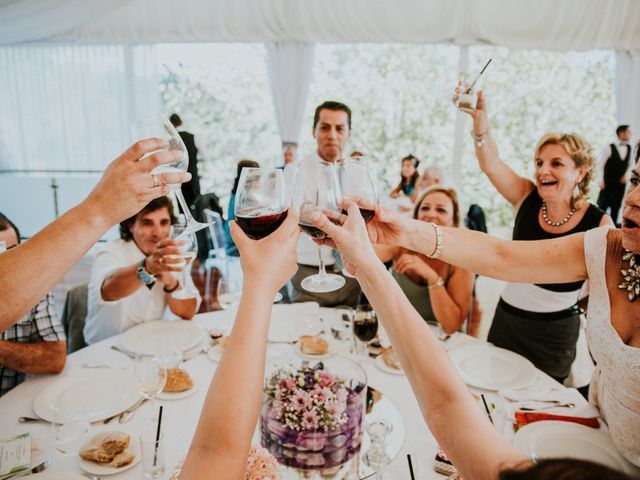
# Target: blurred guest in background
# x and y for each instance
(35, 343)
(409, 177)
(132, 278)
(613, 172)
(440, 292)
(432, 175)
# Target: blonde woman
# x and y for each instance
(440, 292)
(541, 321)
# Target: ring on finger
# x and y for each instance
(156, 180)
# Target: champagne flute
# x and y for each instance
(151, 377)
(159, 126)
(358, 183)
(316, 189)
(188, 251)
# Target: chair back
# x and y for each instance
(216, 232)
(74, 316)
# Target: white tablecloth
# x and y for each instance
(180, 416)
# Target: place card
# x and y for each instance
(15, 454)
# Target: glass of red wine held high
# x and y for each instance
(261, 204)
(358, 184)
(316, 189)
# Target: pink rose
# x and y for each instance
(326, 379)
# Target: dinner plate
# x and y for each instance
(492, 368)
(150, 337)
(379, 361)
(90, 396)
(554, 439)
(95, 468)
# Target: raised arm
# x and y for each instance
(558, 260)
(125, 187)
(222, 440)
(509, 184)
(452, 414)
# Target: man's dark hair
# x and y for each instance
(335, 106)
(242, 164)
(6, 224)
(175, 120)
(152, 206)
(621, 129)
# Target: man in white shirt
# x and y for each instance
(132, 278)
(331, 130)
(614, 168)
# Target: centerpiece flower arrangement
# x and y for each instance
(311, 418)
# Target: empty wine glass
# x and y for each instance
(376, 456)
(69, 429)
(188, 251)
(158, 126)
(150, 376)
(358, 184)
(316, 189)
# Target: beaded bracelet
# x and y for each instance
(438, 249)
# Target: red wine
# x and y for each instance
(258, 226)
(365, 330)
(366, 213)
(315, 232)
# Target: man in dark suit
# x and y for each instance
(190, 189)
(614, 167)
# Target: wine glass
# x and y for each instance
(260, 206)
(188, 251)
(358, 184)
(365, 326)
(69, 429)
(376, 457)
(151, 377)
(316, 189)
(159, 126)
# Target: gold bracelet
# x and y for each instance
(481, 139)
(438, 248)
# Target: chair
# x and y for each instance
(74, 316)
(216, 233)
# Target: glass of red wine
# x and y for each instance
(261, 203)
(358, 184)
(316, 189)
(365, 326)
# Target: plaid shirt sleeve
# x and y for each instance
(45, 324)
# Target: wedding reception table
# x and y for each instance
(180, 416)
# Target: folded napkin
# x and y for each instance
(513, 400)
(525, 418)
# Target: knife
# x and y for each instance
(128, 410)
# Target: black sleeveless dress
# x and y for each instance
(547, 339)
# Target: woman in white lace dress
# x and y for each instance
(609, 258)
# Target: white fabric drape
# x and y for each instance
(70, 107)
(627, 93)
(290, 68)
(29, 20)
(543, 24)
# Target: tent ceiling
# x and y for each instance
(542, 24)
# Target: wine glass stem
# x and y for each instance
(321, 271)
(184, 206)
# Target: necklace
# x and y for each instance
(630, 276)
(547, 220)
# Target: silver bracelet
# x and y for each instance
(481, 139)
(438, 249)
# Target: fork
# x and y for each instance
(555, 405)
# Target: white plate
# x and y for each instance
(179, 395)
(379, 361)
(554, 439)
(56, 476)
(492, 368)
(94, 395)
(95, 468)
(299, 351)
(147, 338)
